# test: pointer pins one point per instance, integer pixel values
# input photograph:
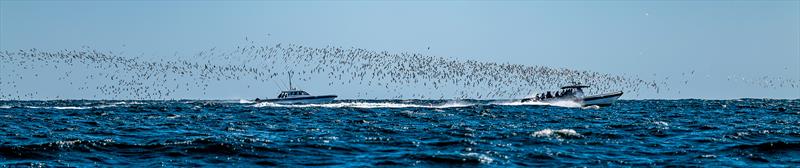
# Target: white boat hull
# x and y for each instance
(601, 100)
(598, 100)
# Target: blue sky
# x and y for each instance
(716, 39)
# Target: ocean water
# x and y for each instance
(491, 133)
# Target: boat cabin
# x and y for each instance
(574, 88)
(571, 91)
(292, 93)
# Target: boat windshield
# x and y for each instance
(286, 94)
(577, 92)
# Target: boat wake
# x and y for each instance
(455, 104)
(75, 105)
(563, 103)
(450, 104)
(72, 107)
(243, 101)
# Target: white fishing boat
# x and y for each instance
(295, 96)
(575, 93)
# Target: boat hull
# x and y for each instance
(601, 100)
(301, 100)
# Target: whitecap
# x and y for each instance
(173, 116)
(71, 108)
(480, 157)
(549, 133)
(708, 156)
(593, 107)
(66, 142)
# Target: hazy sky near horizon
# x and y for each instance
(726, 44)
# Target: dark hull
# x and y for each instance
(307, 99)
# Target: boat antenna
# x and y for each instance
(290, 81)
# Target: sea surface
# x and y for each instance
(442, 133)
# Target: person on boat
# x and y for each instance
(549, 95)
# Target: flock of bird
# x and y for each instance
(109, 75)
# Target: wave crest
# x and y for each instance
(558, 134)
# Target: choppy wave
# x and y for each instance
(338, 104)
(769, 147)
(81, 106)
(78, 106)
(48, 149)
(71, 107)
(401, 133)
(561, 133)
(454, 158)
(593, 107)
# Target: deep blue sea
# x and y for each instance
(490, 133)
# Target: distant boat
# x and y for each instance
(575, 93)
(294, 96)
